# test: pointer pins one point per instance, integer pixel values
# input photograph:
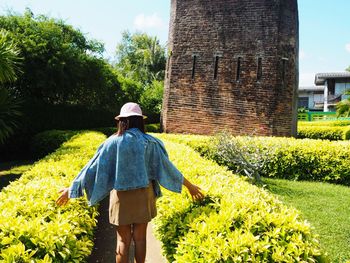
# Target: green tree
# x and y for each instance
(9, 59)
(141, 63)
(343, 107)
(141, 57)
(152, 97)
(9, 67)
(348, 69)
(60, 65)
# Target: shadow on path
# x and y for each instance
(105, 239)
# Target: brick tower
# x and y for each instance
(232, 64)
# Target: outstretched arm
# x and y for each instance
(63, 198)
(194, 190)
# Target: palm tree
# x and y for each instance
(343, 107)
(9, 59)
(9, 67)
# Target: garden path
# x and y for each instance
(105, 241)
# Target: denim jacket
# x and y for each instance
(126, 162)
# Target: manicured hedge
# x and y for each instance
(293, 159)
(39, 116)
(237, 222)
(46, 142)
(324, 132)
(108, 131)
(324, 123)
(32, 227)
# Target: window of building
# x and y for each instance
(303, 102)
(284, 69)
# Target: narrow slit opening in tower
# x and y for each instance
(284, 68)
(194, 66)
(216, 66)
(238, 69)
(168, 64)
(259, 70)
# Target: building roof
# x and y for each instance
(320, 78)
(312, 88)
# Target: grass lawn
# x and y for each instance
(325, 206)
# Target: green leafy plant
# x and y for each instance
(324, 132)
(324, 123)
(9, 58)
(10, 112)
(239, 222)
(48, 141)
(9, 68)
(343, 107)
(294, 159)
(32, 227)
(242, 156)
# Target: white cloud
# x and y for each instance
(142, 22)
(306, 79)
(347, 47)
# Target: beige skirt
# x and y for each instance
(132, 206)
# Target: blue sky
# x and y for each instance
(324, 26)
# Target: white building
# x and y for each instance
(335, 85)
(311, 98)
(329, 90)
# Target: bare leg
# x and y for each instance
(139, 237)
(123, 243)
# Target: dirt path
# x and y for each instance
(105, 241)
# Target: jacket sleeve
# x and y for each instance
(96, 178)
(165, 171)
(86, 175)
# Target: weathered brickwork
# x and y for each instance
(232, 64)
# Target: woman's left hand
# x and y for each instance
(64, 198)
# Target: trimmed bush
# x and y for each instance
(236, 222)
(108, 131)
(293, 159)
(39, 116)
(153, 127)
(32, 227)
(325, 123)
(324, 132)
(48, 141)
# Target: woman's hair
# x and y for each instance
(130, 122)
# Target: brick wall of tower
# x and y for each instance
(223, 32)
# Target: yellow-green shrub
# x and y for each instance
(324, 132)
(32, 227)
(46, 142)
(324, 123)
(237, 222)
(294, 159)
